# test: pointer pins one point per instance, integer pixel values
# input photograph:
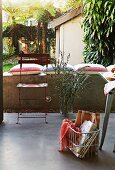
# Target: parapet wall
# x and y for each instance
(91, 98)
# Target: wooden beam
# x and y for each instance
(1, 66)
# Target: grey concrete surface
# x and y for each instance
(33, 145)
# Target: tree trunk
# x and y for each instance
(15, 43)
(44, 37)
(39, 35)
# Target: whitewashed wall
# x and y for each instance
(69, 40)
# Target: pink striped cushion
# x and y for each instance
(26, 69)
(90, 68)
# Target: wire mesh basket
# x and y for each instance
(83, 144)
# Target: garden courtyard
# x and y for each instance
(78, 63)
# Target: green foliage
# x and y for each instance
(8, 50)
(51, 40)
(41, 12)
(16, 14)
(99, 31)
(69, 84)
(72, 4)
(7, 67)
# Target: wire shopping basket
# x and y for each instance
(83, 144)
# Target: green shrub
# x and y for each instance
(7, 67)
(8, 49)
(69, 85)
(99, 31)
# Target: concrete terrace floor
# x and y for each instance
(33, 145)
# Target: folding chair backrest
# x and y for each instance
(42, 59)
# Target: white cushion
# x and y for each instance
(26, 69)
(53, 67)
(90, 68)
(110, 67)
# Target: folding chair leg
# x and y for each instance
(114, 148)
(46, 118)
(18, 119)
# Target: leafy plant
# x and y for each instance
(19, 14)
(99, 31)
(8, 50)
(72, 4)
(7, 67)
(70, 83)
